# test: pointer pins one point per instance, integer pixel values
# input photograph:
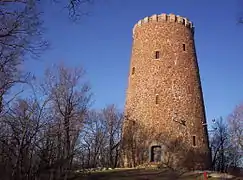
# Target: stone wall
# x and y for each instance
(164, 92)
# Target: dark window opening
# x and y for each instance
(157, 99)
(155, 154)
(194, 140)
(184, 47)
(133, 70)
(133, 123)
(157, 55)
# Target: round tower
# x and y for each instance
(165, 117)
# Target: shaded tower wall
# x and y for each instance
(164, 100)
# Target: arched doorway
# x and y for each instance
(155, 153)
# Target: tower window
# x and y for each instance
(184, 47)
(157, 99)
(157, 54)
(194, 140)
(133, 70)
(133, 123)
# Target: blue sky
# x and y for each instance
(101, 43)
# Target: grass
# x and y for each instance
(141, 174)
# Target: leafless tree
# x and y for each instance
(78, 8)
(39, 135)
(75, 8)
(20, 133)
(219, 143)
(113, 121)
(224, 152)
(100, 138)
(92, 139)
(20, 36)
(70, 96)
(134, 138)
(235, 123)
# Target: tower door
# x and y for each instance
(156, 153)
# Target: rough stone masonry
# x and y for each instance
(165, 116)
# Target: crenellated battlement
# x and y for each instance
(165, 18)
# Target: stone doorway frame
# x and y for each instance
(151, 154)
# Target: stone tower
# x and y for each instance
(165, 117)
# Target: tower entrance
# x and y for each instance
(155, 153)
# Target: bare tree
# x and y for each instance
(224, 153)
(134, 138)
(93, 139)
(101, 138)
(235, 122)
(20, 132)
(70, 95)
(38, 136)
(113, 121)
(20, 36)
(75, 8)
(218, 144)
(78, 8)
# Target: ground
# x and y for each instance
(143, 174)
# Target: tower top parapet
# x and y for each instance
(165, 18)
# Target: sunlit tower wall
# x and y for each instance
(164, 100)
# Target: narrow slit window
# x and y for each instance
(194, 140)
(157, 99)
(133, 70)
(184, 47)
(157, 54)
(133, 123)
